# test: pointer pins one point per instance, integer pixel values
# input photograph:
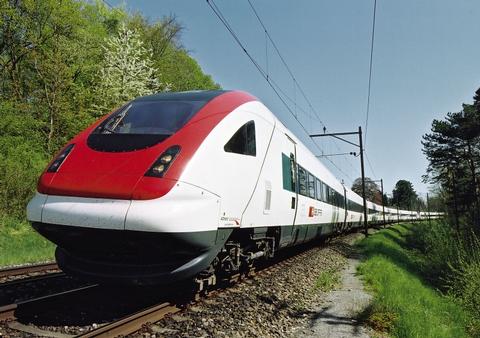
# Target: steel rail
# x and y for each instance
(25, 269)
(133, 322)
(32, 279)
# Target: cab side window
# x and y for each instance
(243, 141)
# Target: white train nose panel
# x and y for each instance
(85, 212)
(35, 206)
(186, 208)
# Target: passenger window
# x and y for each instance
(302, 181)
(327, 194)
(318, 189)
(243, 141)
(311, 185)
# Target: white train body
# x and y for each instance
(237, 177)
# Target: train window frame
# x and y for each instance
(243, 141)
(318, 189)
(322, 190)
(310, 179)
(293, 166)
(332, 196)
(288, 173)
(304, 192)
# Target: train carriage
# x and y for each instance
(174, 185)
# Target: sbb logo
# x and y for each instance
(312, 212)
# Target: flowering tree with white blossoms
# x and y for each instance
(127, 71)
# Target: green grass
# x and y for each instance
(19, 243)
(403, 305)
(327, 280)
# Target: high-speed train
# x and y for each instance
(177, 185)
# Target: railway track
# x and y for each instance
(31, 279)
(134, 322)
(27, 269)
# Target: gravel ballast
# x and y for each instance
(279, 304)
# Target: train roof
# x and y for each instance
(207, 95)
(193, 95)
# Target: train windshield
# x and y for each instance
(142, 124)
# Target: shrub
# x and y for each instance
(19, 171)
(437, 243)
(22, 158)
(452, 263)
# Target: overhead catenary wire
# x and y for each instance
(275, 87)
(284, 62)
(372, 44)
(262, 72)
(369, 91)
(370, 165)
(290, 72)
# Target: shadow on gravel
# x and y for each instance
(27, 288)
(98, 305)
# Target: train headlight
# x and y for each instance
(57, 162)
(167, 158)
(161, 165)
(158, 169)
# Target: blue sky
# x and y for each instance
(425, 65)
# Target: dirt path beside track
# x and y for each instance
(337, 312)
(337, 316)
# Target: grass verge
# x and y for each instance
(403, 305)
(19, 243)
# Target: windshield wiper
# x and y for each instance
(111, 131)
(117, 120)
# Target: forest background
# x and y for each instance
(63, 64)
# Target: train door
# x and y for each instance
(290, 188)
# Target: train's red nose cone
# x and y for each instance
(89, 173)
(110, 158)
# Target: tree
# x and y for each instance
(404, 196)
(453, 151)
(127, 71)
(436, 202)
(387, 200)
(372, 191)
(173, 61)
